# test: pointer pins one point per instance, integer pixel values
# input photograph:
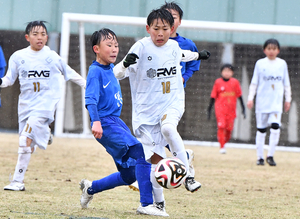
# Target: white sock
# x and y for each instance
(22, 163)
(260, 143)
(158, 194)
(176, 144)
(273, 141)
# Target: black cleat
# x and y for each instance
(271, 161)
(260, 162)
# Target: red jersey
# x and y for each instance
(225, 94)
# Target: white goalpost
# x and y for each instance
(81, 19)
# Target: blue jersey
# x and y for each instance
(103, 99)
(103, 91)
(188, 68)
(2, 63)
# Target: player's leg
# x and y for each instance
(274, 120)
(153, 144)
(221, 134)
(262, 123)
(169, 131)
(33, 128)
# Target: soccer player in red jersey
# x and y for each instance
(225, 92)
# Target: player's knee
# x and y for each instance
(264, 130)
(275, 126)
(22, 141)
(167, 129)
(128, 175)
(24, 150)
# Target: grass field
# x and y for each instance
(232, 185)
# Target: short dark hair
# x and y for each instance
(102, 34)
(33, 24)
(162, 14)
(173, 6)
(227, 65)
(271, 41)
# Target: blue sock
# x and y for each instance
(142, 171)
(109, 182)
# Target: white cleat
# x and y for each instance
(15, 186)
(222, 151)
(152, 210)
(191, 184)
(85, 197)
(190, 160)
(134, 186)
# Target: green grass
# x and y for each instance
(232, 185)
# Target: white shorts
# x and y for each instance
(151, 137)
(36, 129)
(264, 120)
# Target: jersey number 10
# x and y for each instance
(166, 87)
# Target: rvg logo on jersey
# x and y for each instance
(39, 74)
(161, 72)
(272, 78)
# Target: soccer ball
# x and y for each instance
(170, 173)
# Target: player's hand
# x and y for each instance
(208, 114)
(203, 55)
(250, 104)
(97, 129)
(287, 106)
(130, 59)
(244, 113)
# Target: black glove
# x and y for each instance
(208, 114)
(0, 81)
(130, 59)
(244, 113)
(204, 54)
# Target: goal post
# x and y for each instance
(81, 19)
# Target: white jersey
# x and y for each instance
(270, 76)
(155, 81)
(40, 77)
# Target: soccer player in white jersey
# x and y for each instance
(153, 68)
(270, 82)
(39, 71)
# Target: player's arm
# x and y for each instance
(91, 100)
(252, 92)
(188, 55)
(11, 74)
(243, 106)
(211, 103)
(120, 68)
(288, 98)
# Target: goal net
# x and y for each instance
(72, 118)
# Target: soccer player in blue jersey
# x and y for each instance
(103, 99)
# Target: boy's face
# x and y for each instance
(271, 51)
(227, 73)
(159, 32)
(37, 38)
(107, 50)
(177, 21)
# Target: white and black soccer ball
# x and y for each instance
(170, 173)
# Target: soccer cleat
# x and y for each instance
(260, 162)
(152, 210)
(15, 186)
(222, 151)
(191, 184)
(134, 186)
(190, 155)
(271, 161)
(50, 137)
(85, 197)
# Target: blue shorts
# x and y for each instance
(117, 139)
